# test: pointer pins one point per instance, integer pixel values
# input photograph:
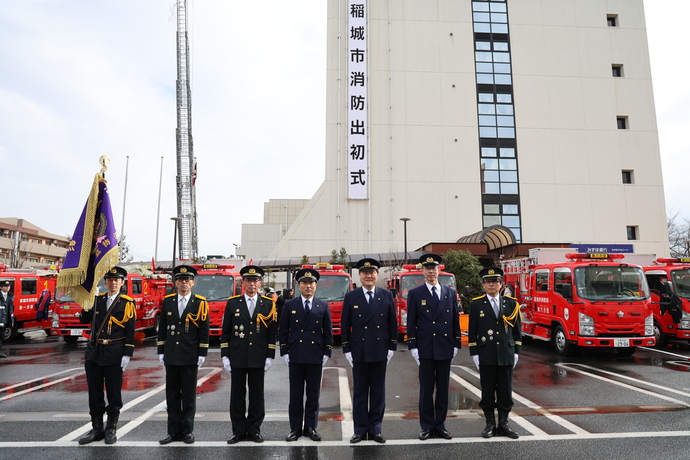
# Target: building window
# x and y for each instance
(632, 232)
(617, 70)
(612, 20)
(627, 176)
(622, 122)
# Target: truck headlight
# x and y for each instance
(684, 325)
(586, 324)
(649, 325)
(56, 321)
(403, 318)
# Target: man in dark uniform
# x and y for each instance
(433, 329)
(369, 332)
(248, 346)
(306, 339)
(6, 310)
(495, 338)
(183, 335)
(110, 347)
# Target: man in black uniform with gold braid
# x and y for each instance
(495, 338)
(183, 336)
(248, 346)
(110, 347)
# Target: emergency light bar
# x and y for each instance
(325, 266)
(419, 267)
(673, 260)
(214, 267)
(592, 255)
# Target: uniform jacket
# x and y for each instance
(116, 337)
(495, 340)
(249, 341)
(307, 337)
(6, 310)
(369, 331)
(433, 331)
(183, 340)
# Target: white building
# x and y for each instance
(459, 115)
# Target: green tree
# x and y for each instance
(466, 269)
(339, 257)
(305, 260)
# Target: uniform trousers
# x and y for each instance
(180, 395)
(433, 373)
(247, 422)
(301, 376)
(96, 377)
(497, 387)
(368, 396)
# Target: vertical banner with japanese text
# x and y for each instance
(358, 153)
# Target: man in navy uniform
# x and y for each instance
(6, 310)
(111, 345)
(248, 346)
(369, 332)
(183, 335)
(433, 330)
(495, 339)
(306, 339)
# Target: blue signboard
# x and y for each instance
(608, 248)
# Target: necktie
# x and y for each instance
(109, 302)
(434, 295)
(250, 304)
(182, 305)
(494, 304)
(371, 297)
(306, 306)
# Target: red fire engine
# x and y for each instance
(582, 300)
(408, 278)
(677, 272)
(217, 283)
(148, 292)
(334, 283)
(26, 287)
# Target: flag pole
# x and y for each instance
(158, 217)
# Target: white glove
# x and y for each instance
(475, 358)
(267, 366)
(286, 357)
(516, 360)
(415, 355)
(161, 359)
(200, 360)
(455, 352)
(390, 355)
(124, 362)
(348, 356)
(325, 360)
(226, 364)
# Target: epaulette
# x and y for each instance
(101, 294)
(267, 298)
(126, 297)
(171, 295)
(199, 297)
(510, 297)
(235, 296)
(479, 297)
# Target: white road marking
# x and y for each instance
(347, 427)
(38, 387)
(664, 352)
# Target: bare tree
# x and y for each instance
(678, 235)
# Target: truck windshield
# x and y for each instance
(332, 288)
(412, 281)
(62, 297)
(613, 283)
(214, 287)
(681, 281)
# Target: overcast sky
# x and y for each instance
(81, 79)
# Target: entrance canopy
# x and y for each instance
(495, 237)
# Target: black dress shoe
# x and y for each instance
(355, 438)
(170, 438)
(379, 438)
(313, 435)
(294, 435)
(188, 438)
(445, 434)
(3, 355)
(257, 438)
(234, 439)
(424, 435)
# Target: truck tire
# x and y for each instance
(70, 338)
(9, 333)
(153, 331)
(661, 338)
(626, 351)
(561, 344)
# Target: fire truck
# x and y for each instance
(217, 283)
(582, 300)
(402, 281)
(147, 291)
(334, 283)
(26, 287)
(677, 271)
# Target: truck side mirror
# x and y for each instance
(394, 291)
(466, 292)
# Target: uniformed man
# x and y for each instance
(369, 332)
(110, 347)
(306, 339)
(495, 338)
(183, 335)
(248, 346)
(6, 310)
(433, 329)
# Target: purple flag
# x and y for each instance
(93, 249)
